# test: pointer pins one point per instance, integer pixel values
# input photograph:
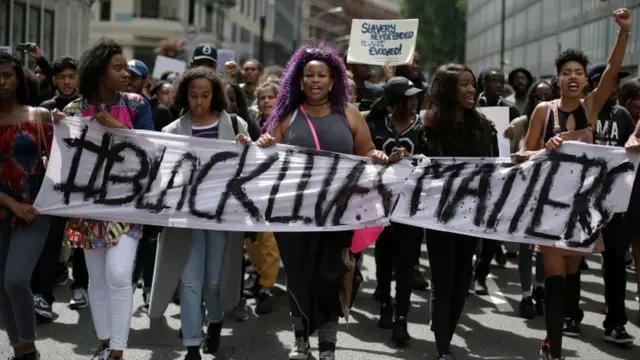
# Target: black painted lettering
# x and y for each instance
(496, 211)
(235, 186)
(465, 191)
(135, 179)
(202, 174)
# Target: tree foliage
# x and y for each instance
(442, 30)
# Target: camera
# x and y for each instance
(24, 47)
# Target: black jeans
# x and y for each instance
(489, 250)
(394, 249)
(616, 242)
(450, 258)
(146, 257)
(79, 271)
(44, 275)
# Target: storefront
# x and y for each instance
(59, 27)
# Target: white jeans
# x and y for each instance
(110, 290)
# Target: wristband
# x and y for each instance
(626, 34)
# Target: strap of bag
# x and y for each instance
(311, 127)
(41, 135)
(234, 124)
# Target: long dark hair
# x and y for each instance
(291, 96)
(443, 100)
(531, 100)
(93, 65)
(241, 103)
(22, 89)
(380, 108)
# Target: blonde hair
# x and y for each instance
(350, 75)
(268, 86)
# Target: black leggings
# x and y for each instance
(395, 246)
(450, 257)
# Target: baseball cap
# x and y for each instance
(205, 51)
(399, 87)
(138, 67)
(595, 71)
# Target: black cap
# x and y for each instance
(399, 87)
(205, 51)
(595, 71)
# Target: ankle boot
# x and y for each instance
(212, 341)
(386, 315)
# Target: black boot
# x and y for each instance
(399, 333)
(573, 314)
(538, 296)
(554, 313)
(193, 353)
(212, 341)
(386, 315)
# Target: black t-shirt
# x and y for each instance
(160, 114)
(57, 102)
(465, 140)
(386, 138)
(513, 111)
(615, 125)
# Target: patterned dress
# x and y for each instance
(134, 112)
(21, 169)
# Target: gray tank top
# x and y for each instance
(333, 133)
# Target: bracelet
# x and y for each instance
(624, 33)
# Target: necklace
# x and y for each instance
(319, 105)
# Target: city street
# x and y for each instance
(490, 329)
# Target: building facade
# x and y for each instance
(536, 30)
(139, 25)
(329, 21)
(59, 27)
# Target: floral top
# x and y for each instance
(21, 169)
(133, 111)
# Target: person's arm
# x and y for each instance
(7, 201)
(143, 119)
(362, 142)
(46, 68)
(598, 97)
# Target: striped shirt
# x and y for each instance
(207, 131)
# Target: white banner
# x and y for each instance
(559, 198)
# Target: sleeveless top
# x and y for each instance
(334, 133)
(21, 169)
(579, 117)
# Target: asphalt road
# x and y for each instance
(490, 329)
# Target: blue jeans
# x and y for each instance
(525, 265)
(201, 279)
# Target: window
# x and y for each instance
(149, 9)
(208, 18)
(242, 7)
(234, 32)
(18, 24)
(34, 25)
(533, 18)
(105, 10)
(550, 12)
(4, 22)
(255, 10)
(47, 39)
(220, 24)
(245, 36)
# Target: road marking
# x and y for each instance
(497, 297)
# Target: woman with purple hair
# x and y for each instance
(312, 111)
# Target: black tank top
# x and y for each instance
(579, 117)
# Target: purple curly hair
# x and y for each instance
(291, 96)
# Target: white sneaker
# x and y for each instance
(79, 299)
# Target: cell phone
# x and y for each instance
(24, 47)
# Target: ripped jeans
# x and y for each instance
(201, 279)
